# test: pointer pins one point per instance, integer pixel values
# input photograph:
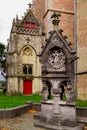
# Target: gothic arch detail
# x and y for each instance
(27, 52)
(28, 55)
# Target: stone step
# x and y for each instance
(36, 115)
(55, 120)
(53, 127)
(82, 120)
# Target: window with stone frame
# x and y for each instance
(27, 69)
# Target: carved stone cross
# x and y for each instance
(28, 39)
(30, 5)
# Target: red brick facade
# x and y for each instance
(82, 48)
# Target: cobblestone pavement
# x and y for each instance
(23, 122)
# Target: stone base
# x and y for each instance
(45, 118)
(55, 119)
(53, 127)
(49, 117)
(69, 122)
(68, 114)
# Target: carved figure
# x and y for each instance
(70, 94)
(45, 93)
(57, 59)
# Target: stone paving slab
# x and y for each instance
(23, 122)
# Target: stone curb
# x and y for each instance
(17, 111)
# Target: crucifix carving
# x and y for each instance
(28, 39)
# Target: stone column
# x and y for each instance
(56, 107)
(45, 91)
(56, 114)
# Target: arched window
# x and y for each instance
(30, 69)
(24, 69)
(27, 69)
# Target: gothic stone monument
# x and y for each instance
(57, 60)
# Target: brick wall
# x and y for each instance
(39, 9)
(82, 35)
(66, 8)
(67, 5)
(82, 86)
(82, 48)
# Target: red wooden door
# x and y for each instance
(27, 87)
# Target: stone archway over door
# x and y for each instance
(27, 84)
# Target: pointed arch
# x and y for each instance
(28, 55)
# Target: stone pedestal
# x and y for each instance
(68, 114)
(46, 111)
(59, 116)
(56, 115)
(56, 106)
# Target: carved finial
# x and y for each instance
(13, 21)
(69, 44)
(65, 37)
(30, 5)
(17, 16)
(16, 20)
(55, 16)
(75, 58)
(60, 31)
(50, 32)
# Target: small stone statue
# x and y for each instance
(45, 93)
(70, 94)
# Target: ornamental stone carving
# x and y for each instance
(56, 60)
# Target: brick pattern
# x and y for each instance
(64, 5)
(39, 9)
(66, 23)
(82, 86)
(82, 34)
(66, 19)
(82, 61)
(82, 48)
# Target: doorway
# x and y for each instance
(27, 84)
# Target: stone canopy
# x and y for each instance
(57, 57)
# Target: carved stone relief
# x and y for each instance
(56, 60)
